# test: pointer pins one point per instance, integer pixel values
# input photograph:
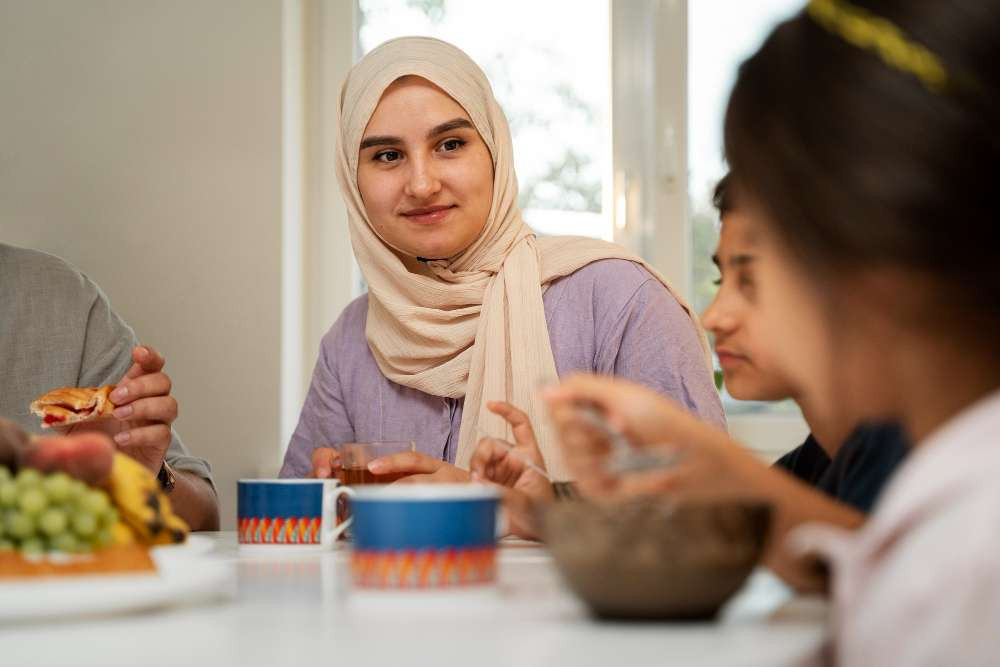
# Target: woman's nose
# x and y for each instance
(423, 182)
(717, 317)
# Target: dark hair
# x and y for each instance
(858, 163)
(722, 198)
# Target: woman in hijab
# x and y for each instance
(465, 306)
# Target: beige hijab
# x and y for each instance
(476, 328)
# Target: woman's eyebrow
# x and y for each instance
(448, 126)
(386, 140)
(740, 260)
(380, 141)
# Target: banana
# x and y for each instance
(121, 534)
(142, 505)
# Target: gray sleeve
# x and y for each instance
(654, 342)
(107, 356)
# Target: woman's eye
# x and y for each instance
(387, 156)
(451, 145)
(718, 281)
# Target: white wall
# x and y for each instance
(142, 141)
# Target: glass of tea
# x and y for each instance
(355, 457)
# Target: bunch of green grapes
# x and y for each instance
(41, 513)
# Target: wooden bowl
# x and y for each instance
(649, 558)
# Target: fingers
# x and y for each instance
(488, 454)
(416, 479)
(521, 514)
(506, 410)
(157, 409)
(445, 474)
(645, 416)
(145, 360)
(325, 460)
(146, 444)
(659, 482)
(143, 386)
(582, 388)
(583, 444)
(153, 436)
(404, 462)
(520, 425)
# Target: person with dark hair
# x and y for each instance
(863, 145)
(849, 462)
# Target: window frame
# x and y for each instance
(649, 54)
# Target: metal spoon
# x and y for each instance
(624, 457)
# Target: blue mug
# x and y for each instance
(289, 512)
(424, 536)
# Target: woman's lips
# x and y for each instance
(429, 215)
(729, 359)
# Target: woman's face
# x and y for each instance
(425, 174)
(745, 352)
(830, 344)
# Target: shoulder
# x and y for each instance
(807, 462)
(865, 463)
(349, 326)
(882, 444)
(611, 288)
(606, 283)
(606, 276)
(30, 271)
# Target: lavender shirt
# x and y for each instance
(610, 317)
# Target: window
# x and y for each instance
(721, 34)
(558, 112)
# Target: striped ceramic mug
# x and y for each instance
(424, 536)
(299, 513)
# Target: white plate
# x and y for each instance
(194, 545)
(184, 575)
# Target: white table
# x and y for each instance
(298, 610)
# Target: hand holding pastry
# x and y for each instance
(145, 409)
(137, 412)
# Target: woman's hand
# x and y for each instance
(709, 463)
(325, 463)
(144, 411)
(497, 462)
(418, 468)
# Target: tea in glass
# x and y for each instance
(355, 457)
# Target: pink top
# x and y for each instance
(920, 583)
